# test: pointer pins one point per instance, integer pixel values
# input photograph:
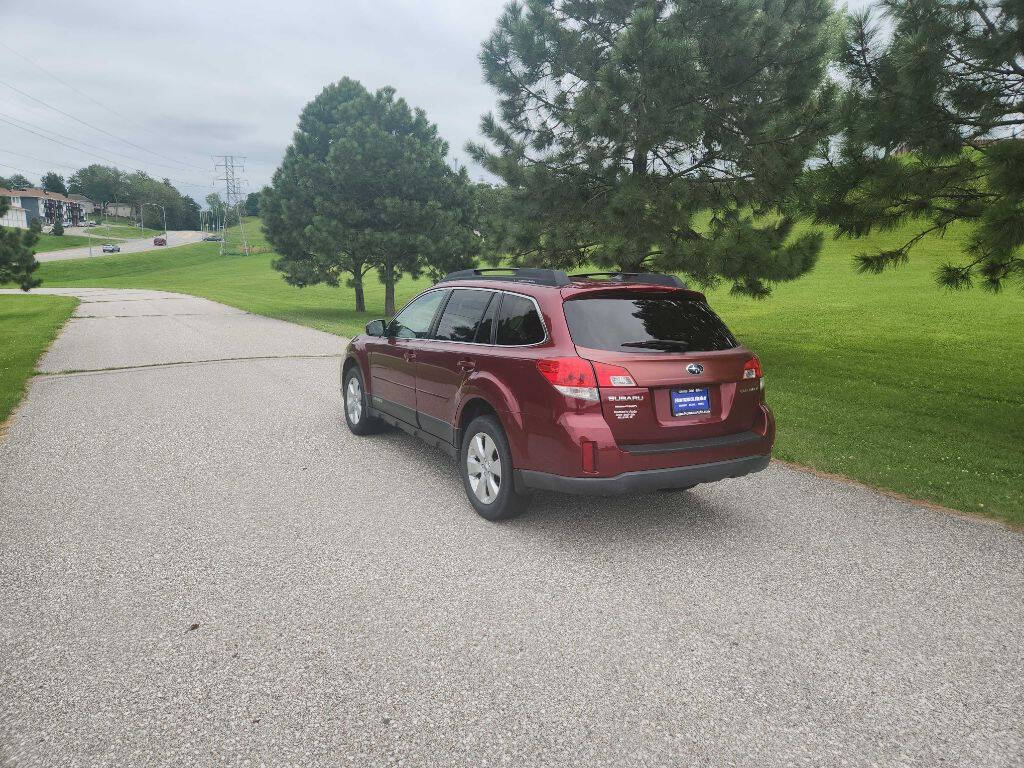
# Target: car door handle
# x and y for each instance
(466, 365)
(409, 356)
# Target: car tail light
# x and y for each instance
(752, 369)
(572, 376)
(613, 376)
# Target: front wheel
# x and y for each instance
(486, 468)
(357, 411)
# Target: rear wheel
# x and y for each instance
(486, 468)
(357, 411)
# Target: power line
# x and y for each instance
(95, 128)
(93, 154)
(66, 84)
(40, 160)
(83, 143)
(22, 171)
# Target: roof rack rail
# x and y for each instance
(652, 278)
(512, 274)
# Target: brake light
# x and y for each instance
(572, 376)
(613, 376)
(752, 369)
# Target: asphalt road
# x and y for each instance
(351, 609)
(174, 238)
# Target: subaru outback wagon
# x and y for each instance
(534, 379)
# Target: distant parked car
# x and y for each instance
(111, 248)
(159, 241)
(213, 238)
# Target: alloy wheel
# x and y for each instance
(483, 465)
(354, 400)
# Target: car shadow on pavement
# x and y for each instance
(637, 517)
(642, 518)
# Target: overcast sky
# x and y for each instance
(191, 79)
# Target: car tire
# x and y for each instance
(356, 405)
(485, 463)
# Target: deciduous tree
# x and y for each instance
(54, 182)
(639, 134)
(100, 183)
(17, 181)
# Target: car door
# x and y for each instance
(463, 330)
(392, 357)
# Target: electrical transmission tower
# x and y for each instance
(234, 192)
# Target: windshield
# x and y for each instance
(647, 324)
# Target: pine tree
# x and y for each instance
(658, 134)
(365, 186)
(17, 260)
(932, 134)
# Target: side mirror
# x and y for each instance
(375, 328)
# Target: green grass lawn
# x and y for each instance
(28, 324)
(887, 379)
(58, 242)
(123, 231)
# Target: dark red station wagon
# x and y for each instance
(534, 379)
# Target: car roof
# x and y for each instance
(575, 288)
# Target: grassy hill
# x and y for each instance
(123, 231)
(887, 379)
(59, 242)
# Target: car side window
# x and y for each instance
(461, 318)
(518, 321)
(483, 332)
(415, 320)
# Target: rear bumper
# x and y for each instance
(643, 480)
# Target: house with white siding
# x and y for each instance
(15, 215)
(88, 206)
(124, 210)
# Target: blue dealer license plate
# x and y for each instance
(688, 402)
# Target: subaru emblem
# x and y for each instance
(695, 369)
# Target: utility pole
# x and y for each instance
(233, 190)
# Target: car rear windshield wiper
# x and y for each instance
(665, 344)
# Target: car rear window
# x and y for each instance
(655, 323)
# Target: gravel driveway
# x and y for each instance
(199, 565)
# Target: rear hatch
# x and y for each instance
(668, 368)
